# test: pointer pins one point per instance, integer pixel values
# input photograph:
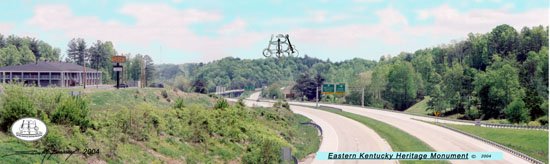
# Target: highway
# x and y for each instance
(438, 138)
(339, 133)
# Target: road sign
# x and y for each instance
(117, 68)
(340, 88)
(328, 89)
(118, 59)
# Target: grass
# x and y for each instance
(533, 143)
(142, 126)
(399, 140)
(420, 107)
(307, 141)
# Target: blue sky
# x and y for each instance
(180, 31)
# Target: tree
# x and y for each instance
(13, 56)
(402, 87)
(438, 101)
(149, 69)
(26, 55)
(516, 112)
(306, 86)
(497, 87)
(200, 85)
(77, 51)
(503, 40)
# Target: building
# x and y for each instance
(50, 73)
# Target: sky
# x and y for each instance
(183, 31)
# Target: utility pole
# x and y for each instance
(362, 97)
(317, 97)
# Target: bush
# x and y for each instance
(534, 123)
(15, 105)
(543, 120)
(472, 113)
(72, 111)
(241, 103)
(516, 112)
(164, 94)
(221, 104)
(179, 103)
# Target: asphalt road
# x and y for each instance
(339, 133)
(439, 138)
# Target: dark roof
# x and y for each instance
(50, 66)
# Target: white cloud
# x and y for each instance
(171, 28)
(237, 26)
(451, 22)
(5, 28)
(368, 1)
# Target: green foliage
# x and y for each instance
(72, 111)
(16, 104)
(516, 112)
(179, 103)
(221, 104)
(402, 85)
(472, 113)
(272, 92)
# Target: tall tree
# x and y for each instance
(402, 88)
(77, 51)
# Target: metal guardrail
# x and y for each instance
(491, 125)
(514, 152)
(314, 125)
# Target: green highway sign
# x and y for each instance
(340, 88)
(328, 89)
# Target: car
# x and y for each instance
(156, 85)
(122, 86)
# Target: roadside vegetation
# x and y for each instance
(398, 139)
(533, 143)
(151, 126)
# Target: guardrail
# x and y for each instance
(491, 125)
(514, 152)
(314, 125)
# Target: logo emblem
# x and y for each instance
(29, 129)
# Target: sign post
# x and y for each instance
(118, 68)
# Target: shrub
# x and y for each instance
(472, 113)
(179, 103)
(543, 120)
(241, 103)
(534, 123)
(164, 94)
(516, 112)
(15, 105)
(72, 111)
(221, 104)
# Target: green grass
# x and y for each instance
(530, 142)
(399, 140)
(307, 140)
(141, 126)
(420, 107)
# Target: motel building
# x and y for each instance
(50, 73)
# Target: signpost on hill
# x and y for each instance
(118, 68)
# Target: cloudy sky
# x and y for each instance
(180, 31)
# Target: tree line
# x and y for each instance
(499, 74)
(98, 56)
(16, 50)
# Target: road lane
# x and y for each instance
(439, 138)
(339, 133)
